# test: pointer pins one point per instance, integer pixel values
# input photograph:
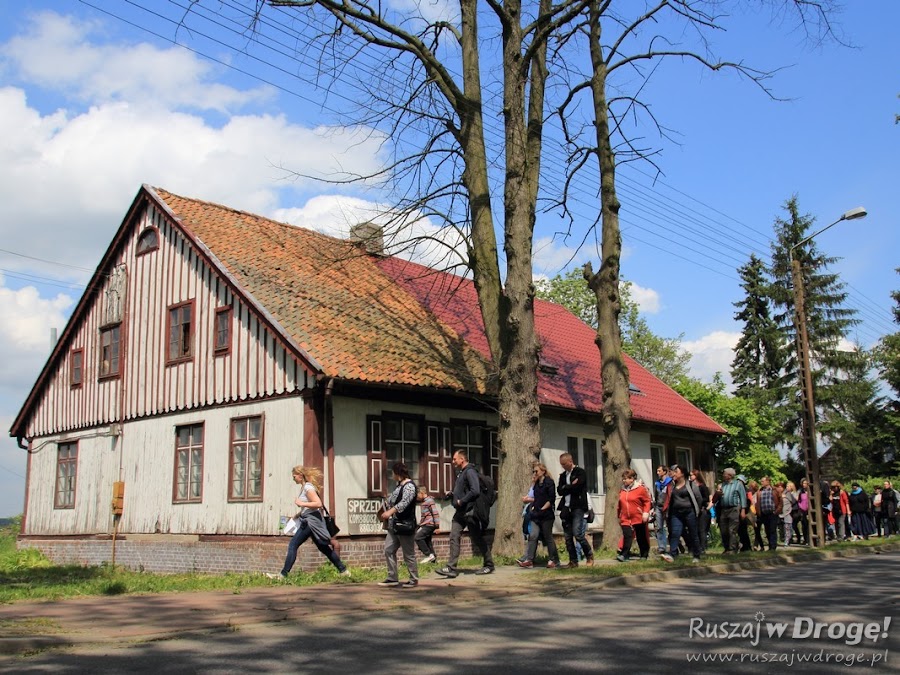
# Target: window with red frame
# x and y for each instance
(181, 332)
(246, 459)
(110, 350)
(223, 331)
(188, 464)
(66, 475)
(76, 367)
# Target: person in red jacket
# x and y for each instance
(634, 514)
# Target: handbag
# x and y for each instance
(590, 515)
(401, 526)
(330, 525)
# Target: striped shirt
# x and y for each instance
(430, 514)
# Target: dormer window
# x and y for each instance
(148, 241)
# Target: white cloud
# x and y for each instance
(410, 237)
(430, 10)
(25, 333)
(71, 179)
(55, 53)
(646, 299)
(550, 258)
(712, 353)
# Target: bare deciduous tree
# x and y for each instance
(436, 123)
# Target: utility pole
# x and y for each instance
(810, 454)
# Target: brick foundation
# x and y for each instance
(170, 554)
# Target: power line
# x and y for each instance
(44, 260)
(691, 238)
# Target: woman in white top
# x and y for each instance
(312, 524)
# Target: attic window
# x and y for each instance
(148, 241)
(76, 367)
(181, 332)
(548, 368)
(633, 389)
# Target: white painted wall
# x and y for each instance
(146, 452)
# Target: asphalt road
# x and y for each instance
(656, 628)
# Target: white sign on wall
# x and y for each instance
(363, 516)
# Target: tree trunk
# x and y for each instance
(616, 417)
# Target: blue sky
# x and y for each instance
(92, 107)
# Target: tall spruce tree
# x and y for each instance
(827, 319)
(761, 350)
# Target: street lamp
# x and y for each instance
(811, 457)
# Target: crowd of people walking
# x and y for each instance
(677, 511)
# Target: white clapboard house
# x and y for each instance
(214, 349)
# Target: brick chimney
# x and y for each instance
(370, 235)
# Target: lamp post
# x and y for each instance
(811, 457)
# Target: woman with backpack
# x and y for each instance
(542, 516)
(400, 515)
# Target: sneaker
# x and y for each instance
(667, 557)
(552, 565)
(389, 582)
(569, 566)
(271, 575)
(430, 558)
(345, 573)
(695, 560)
(527, 564)
(622, 558)
(409, 584)
(485, 570)
(448, 572)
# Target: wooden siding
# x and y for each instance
(140, 289)
(145, 449)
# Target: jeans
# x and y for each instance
(683, 522)
(662, 536)
(476, 533)
(300, 536)
(574, 528)
(423, 539)
(541, 529)
(392, 543)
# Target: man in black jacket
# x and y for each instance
(573, 505)
(465, 492)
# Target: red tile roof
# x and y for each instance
(567, 345)
(331, 299)
(389, 321)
